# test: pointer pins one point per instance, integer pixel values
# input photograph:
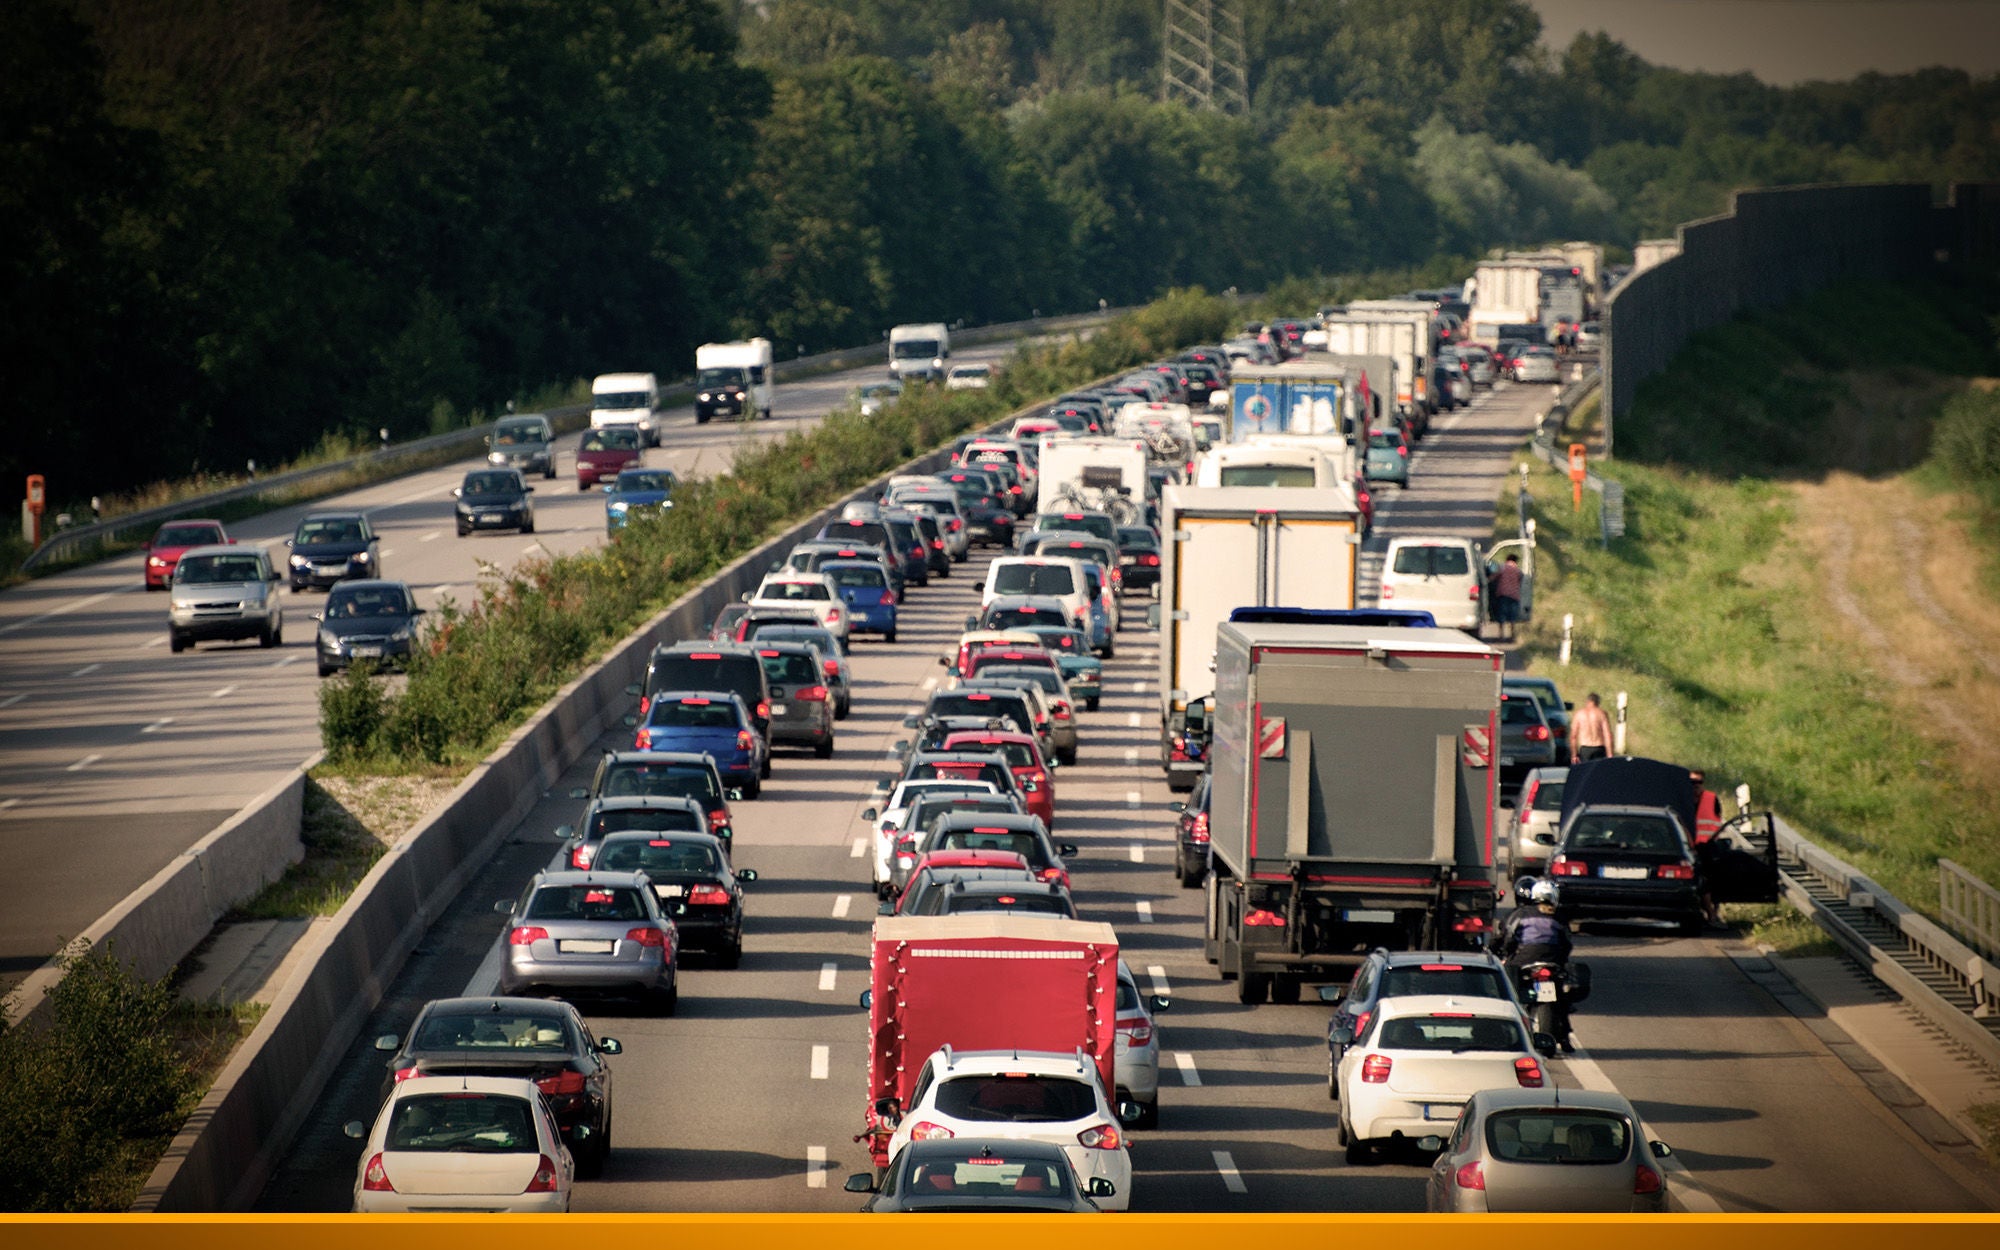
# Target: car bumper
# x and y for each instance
(368, 1201)
(808, 730)
(341, 657)
(1392, 1115)
(876, 620)
(224, 629)
(1584, 896)
(1137, 578)
(323, 576)
(522, 972)
(503, 520)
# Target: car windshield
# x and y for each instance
(976, 703)
(510, 434)
(469, 1123)
(1650, 834)
(1063, 640)
(858, 533)
(711, 378)
(789, 668)
(1017, 1099)
(491, 484)
(658, 855)
(620, 399)
(586, 902)
(1557, 1135)
(912, 349)
(1384, 440)
(314, 533)
(218, 570)
(491, 1030)
(187, 535)
(1268, 475)
(1427, 561)
(685, 781)
(1453, 979)
(1034, 579)
(646, 819)
(346, 602)
(691, 714)
(613, 439)
(1449, 1033)
(630, 480)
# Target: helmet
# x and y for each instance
(1543, 893)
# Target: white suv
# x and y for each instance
(1033, 1095)
(1443, 576)
(1057, 578)
(812, 591)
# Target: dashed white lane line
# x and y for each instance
(433, 536)
(280, 663)
(1158, 976)
(422, 495)
(158, 725)
(841, 902)
(1138, 853)
(815, 1167)
(388, 552)
(1138, 687)
(1132, 721)
(441, 592)
(1131, 798)
(223, 693)
(859, 850)
(86, 670)
(827, 974)
(1145, 910)
(1185, 1062)
(157, 642)
(1682, 1188)
(822, 1059)
(928, 683)
(1232, 1180)
(1131, 755)
(71, 606)
(11, 700)
(83, 763)
(5, 804)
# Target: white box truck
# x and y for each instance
(1227, 547)
(1405, 337)
(627, 399)
(1088, 474)
(1303, 465)
(919, 351)
(733, 379)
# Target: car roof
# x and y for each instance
(1410, 959)
(681, 696)
(351, 583)
(1448, 1004)
(1568, 1098)
(699, 836)
(1037, 1062)
(662, 757)
(1018, 822)
(224, 549)
(634, 880)
(348, 514)
(501, 1002)
(519, 1087)
(643, 802)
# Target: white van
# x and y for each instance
(1253, 464)
(733, 379)
(1441, 575)
(627, 400)
(1041, 575)
(919, 351)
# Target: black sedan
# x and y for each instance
(693, 879)
(542, 1040)
(366, 620)
(1626, 861)
(1138, 557)
(495, 499)
(329, 547)
(979, 1174)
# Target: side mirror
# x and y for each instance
(504, 907)
(631, 721)
(746, 875)
(870, 814)
(419, 611)
(275, 575)
(388, 1041)
(458, 492)
(1066, 849)
(748, 596)
(1130, 1112)
(909, 722)
(860, 1183)
(734, 794)
(1431, 1143)
(1176, 807)
(945, 660)
(1332, 993)
(579, 792)
(634, 688)
(1661, 1150)
(319, 616)
(971, 622)
(566, 832)
(1152, 616)
(868, 1000)
(288, 542)
(355, 1129)
(610, 1046)
(1569, 707)
(1545, 1046)
(1159, 1003)
(531, 490)
(1102, 1187)
(1342, 1032)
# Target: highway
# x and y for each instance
(748, 1098)
(116, 755)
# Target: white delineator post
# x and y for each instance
(1569, 627)
(1618, 730)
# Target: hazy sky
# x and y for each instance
(1789, 41)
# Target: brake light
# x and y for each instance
(1470, 1176)
(1675, 872)
(1138, 1032)
(1471, 924)
(1545, 973)
(888, 598)
(1100, 1137)
(580, 857)
(561, 1083)
(647, 936)
(927, 1131)
(404, 1074)
(527, 934)
(1050, 874)
(937, 544)
(1198, 832)
(644, 740)
(1361, 1024)
(744, 742)
(1528, 794)
(1538, 733)
(1472, 592)
(1150, 561)
(376, 1177)
(833, 616)
(544, 1181)
(1402, 449)
(1645, 1180)
(718, 820)
(1062, 711)
(645, 703)
(708, 896)
(1387, 592)
(1262, 919)
(1564, 866)
(1375, 1070)
(1528, 1071)
(764, 709)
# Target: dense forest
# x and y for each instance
(232, 228)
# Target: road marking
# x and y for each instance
(432, 536)
(1682, 1187)
(1132, 721)
(860, 850)
(1131, 755)
(815, 1167)
(441, 592)
(486, 979)
(827, 973)
(387, 552)
(822, 1056)
(83, 763)
(1232, 1180)
(421, 495)
(1131, 798)
(86, 670)
(10, 702)
(894, 754)
(1158, 976)
(531, 549)
(928, 683)
(1185, 1062)
(290, 659)
(71, 606)
(1145, 910)
(161, 641)
(1138, 853)
(225, 692)
(1138, 687)
(841, 902)
(158, 725)
(4, 805)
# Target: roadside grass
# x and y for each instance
(348, 824)
(1790, 933)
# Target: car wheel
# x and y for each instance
(1090, 703)
(1693, 926)
(1251, 987)
(841, 710)
(959, 558)
(753, 788)
(529, 528)
(1149, 1114)
(824, 750)
(325, 670)
(1285, 989)
(1068, 757)
(1340, 1137)
(669, 1002)
(1191, 874)
(176, 641)
(890, 636)
(463, 531)
(590, 1161)
(1333, 1095)
(764, 769)
(732, 954)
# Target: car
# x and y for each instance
(715, 723)
(1191, 834)
(999, 647)
(1024, 756)
(591, 933)
(366, 620)
(1568, 1150)
(1011, 612)
(908, 544)
(814, 592)
(961, 1174)
(640, 813)
(1505, 353)
(173, 539)
(1531, 827)
(1407, 1075)
(1135, 1065)
(931, 534)
(1046, 578)
(968, 377)
(999, 831)
(1035, 1095)
(1553, 707)
(224, 594)
(927, 494)
(526, 442)
(987, 517)
(1388, 457)
(1386, 974)
(1079, 664)
(708, 666)
(1439, 574)
(873, 397)
(1627, 861)
(328, 547)
(1526, 741)
(963, 895)
(889, 819)
(802, 703)
(694, 882)
(989, 701)
(1101, 553)
(863, 587)
(463, 1143)
(1589, 336)
(494, 499)
(1060, 728)
(937, 870)
(1138, 558)
(604, 453)
(546, 1042)
(898, 542)
(833, 663)
(636, 493)
(723, 629)
(1479, 364)
(669, 774)
(1098, 525)
(1537, 364)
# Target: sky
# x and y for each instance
(1789, 41)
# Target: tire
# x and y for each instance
(1252, 987)
(1544, 1020)
(668, 1003)
(1110, 650)
(890, 636)
(1090, 703)
(1285, 990)
(731, 955)
(824, 750)
(1340, 1137)
(1333, 1095)
(1149, 1114)
(1694, 926)
(1359, 1153)
(1068, 758)
(529, 528)
(176, 641)
(753, 788)
(841, 712)
(462, 531)
(549, 474)
(326, 670)
(764, 769)
(590, 1163)
(701, 418)
(1191, 875)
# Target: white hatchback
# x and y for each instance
(888, 820)
(463, 1143)
(1055, 577)
(1438, 574)
(814, 592)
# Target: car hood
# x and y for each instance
(210, 592)
(473, 503)
(639, 498)
(318, 552)
(599, 455)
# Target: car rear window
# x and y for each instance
(687, 781)
(1268, 475)
(657, 855)
(1433, 561)
(1025, 845)
(1017, 1099)
(1449, 1033)
(1649, 834)
(732, 671)
(1519, 711)
(1012, 618)
(1043, 903)
(463, 1123)
(1548, 797)
(1034, 579)
(862, 578)
(646, 819)
(1047, 679)
(672, 713)
(586, 902)
(490, 1030)
(791, 669)
(989, 1176)
(794, 592)
(864, 533)
(1443, 979)
(1096, 524)
(1558, 1135)
(926, 814)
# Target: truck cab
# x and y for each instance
(628, 400)
(919, 351)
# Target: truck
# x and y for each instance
(1092, 474)
(919, 350)
(1320, 461)
(733, 379)
(1405, 337)
(1373, 384)
(627, 399)
(1353, 802)
(1225, 547)
(982, 981)
(1287, 399)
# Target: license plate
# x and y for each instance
(669, 891)
(1616, 873)
(367, 653)
(1440, 1110)
(1368, 917)
(1506, 761)
(1545, 991)
(777, 709)
(584, 946)
(489, 518)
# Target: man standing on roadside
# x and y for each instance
(1589, 732)
(1506, 590)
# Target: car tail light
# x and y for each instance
(1472, 592)
(1361, 1024)
(1386, 592)
(833, 616)
(1137, 1032)
(404, 1074)
(924, 1130)
(718, 821)
(1375, 1069)
(1402, 449)
(1198, 831)
(646, 935)
(580, 857)
(1151, 562)
(1559, 729)
(1050, 874)
(1564, 866)
(1545, 973)
(544, 1180)
(744, 742)
(888, 598)
(1100, 1137)
(1528, 1071)
(1263, 919)
(1470, 1176)
(561, 1083)
(764, 709)
(376, 1177)
(830, 667)
(708, 896)
(1675, 872)
(643, 741)
(1528, 793)
(937, 544)
(1470, 924)
(527, 934)
(811, 694)
(1538, 733)
(1645, 1180)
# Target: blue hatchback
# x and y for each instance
(715, 723)
(871, 600)
(637, 491)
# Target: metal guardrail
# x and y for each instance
(1970, 906)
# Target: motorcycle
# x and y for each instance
(1550, 990)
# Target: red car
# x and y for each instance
(163, 550)
(604, 452)
(1364, 500)
(1024, 756)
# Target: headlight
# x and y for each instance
(704, 397)
(401, 634)
(156, 561)
(299, 561)
(329, 642)
(361, 557)
(497, 457)
(618, 508)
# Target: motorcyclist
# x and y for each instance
(1534, 934)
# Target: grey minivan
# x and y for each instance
(224, 593)
(526, 442)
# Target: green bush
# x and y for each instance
(1966, 440)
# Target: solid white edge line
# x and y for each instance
(7, 803)
(841, 902)
(1158, 976)
(424, 538)
(161, 641)
(827, 974)
(1232, 1180)
(1683, 1189)
(486, 978)
(815, 1167)
(1131, 755)
(822, 1060)
(71, 606)
(1190, 1076)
